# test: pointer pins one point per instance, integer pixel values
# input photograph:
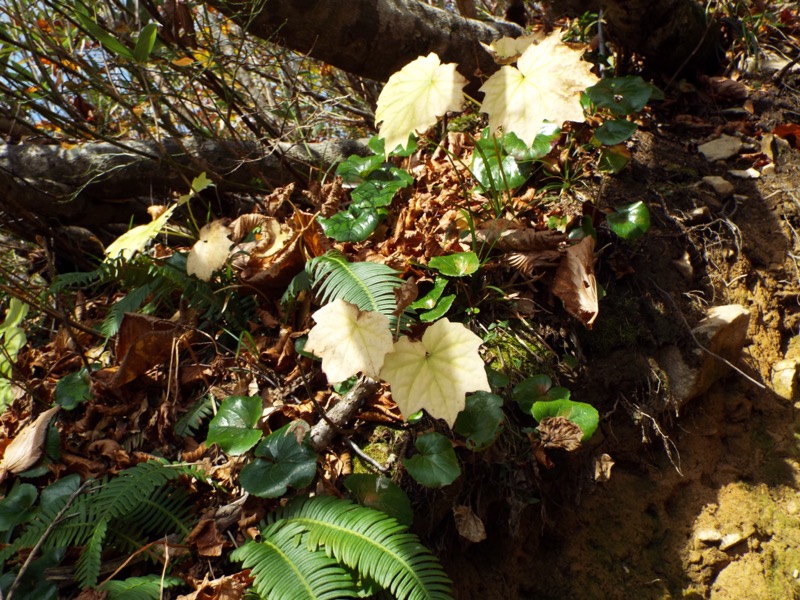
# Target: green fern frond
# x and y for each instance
(138, 588)
(370, 286)
(88, 568)
(200, 411)
(130, 303)
(370, 543)
(285, 570)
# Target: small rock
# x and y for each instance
(720, 185)
(750, 173)
(784, 378)
(723, 332)
(730, 540)
(708, 536)
(724, 147)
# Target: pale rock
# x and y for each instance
(708, 536)
(750, 173)
(721, 186)
(723, 331)
(724, 147)
(784, 378)
(730, 540)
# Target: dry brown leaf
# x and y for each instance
(26, 448)
(575, 283)
(469, 526)
(227, 587)
(405, 295)
(206, 538)
(507, 236)
(602, 468)
(560, 432)
(530, 262)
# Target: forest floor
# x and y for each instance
(702, 502)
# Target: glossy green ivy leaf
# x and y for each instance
(541, 146)
(233, 427)
(429, 300)
(436, 465)
(458, 264)
(537, 388)
(615, 131)
(621, 95)
(381, 186)
(145, 43)
(630, 222)
(285, 462)
(355, 224)
(73, 389)
(355, 169)
(481, 421)
(378, 492)
(438, 311)
(582, 414)
(15, 507)
(494, 170)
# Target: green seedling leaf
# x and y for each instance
(541, 146)
(437, 372)
(12, 339)
(355, 224)
(546, 85)
(536, 389)
(108, 41)
(287, 462)
(613, 159)
(492, 166)
(380, 493)
(614, 131)
(630, 222)
(459, 264)
(349, 340)
(583, 415)
(73, 389)
(439, 310)
(623, 96)
(355, 169)
(145, 43)
(429, 300)
(15, 507)
(233, 427)
(415, 97)
(134, 241)
(481, 421)
(436, 465)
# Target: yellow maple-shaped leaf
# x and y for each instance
(134, 240)
(349, 340)
(415, 97)
(546, 84)
(437, 372)
(210, 251)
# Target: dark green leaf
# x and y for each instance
(481, 421)
(630, 222)
(355, 169)
(613, 159)
(497, 174)
(536, 388)
(145, 43)
(233, 428)
(73, 389)
(541, 146)
(614, 131)
(621, 95)
(497, 379)
(429, 300)
(286, 462)
(376, 491)
(353, 225)
(108, 41)
(436, 464)
(456, 265)
(439, 310)
(55, 495)
(15, 507)
(583, 415)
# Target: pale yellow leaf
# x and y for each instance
(349, 340)
(210, 251)
(415, 97)
(575, 283)
(134, 241)
(507, 49)
(26, 448)
(546, 84)
(436, 373)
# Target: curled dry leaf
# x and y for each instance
(26, 448)
(602, 468)
(507, 236)
(560, 432)
(469, 526)
(575, 283)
